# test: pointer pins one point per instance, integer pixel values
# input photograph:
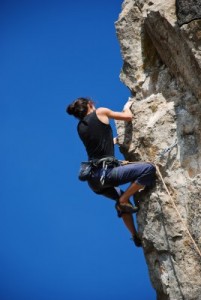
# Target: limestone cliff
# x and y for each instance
(161, 48)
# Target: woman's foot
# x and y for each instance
(137, 241)
(127, 207)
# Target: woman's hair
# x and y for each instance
(79, 108)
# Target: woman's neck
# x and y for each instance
(90, 109)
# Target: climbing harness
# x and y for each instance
(102, 179)
(104, 163)
(86, 168)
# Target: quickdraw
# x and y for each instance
(166, 150)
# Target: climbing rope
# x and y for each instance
(166, 150)
(160, 155)
(180, 217)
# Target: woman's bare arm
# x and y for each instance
(104, 114)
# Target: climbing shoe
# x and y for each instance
(136, 200)
(142, 189)
(137, 241)
(127, 207)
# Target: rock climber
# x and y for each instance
(108, 173)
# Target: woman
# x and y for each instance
(107, 174)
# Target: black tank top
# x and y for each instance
(96, 136)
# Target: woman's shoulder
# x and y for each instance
(102, 114)
(102, 110)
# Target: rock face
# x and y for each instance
(161, 48)
(188, 11)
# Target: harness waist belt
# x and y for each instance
(106, 161)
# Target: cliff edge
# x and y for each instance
(161, 49)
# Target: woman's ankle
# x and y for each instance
(123, 200)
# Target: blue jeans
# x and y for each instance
(141, 173)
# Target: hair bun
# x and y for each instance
(79, 108)
(70, 109)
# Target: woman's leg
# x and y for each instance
(131, 190)
(129, 223)
(140, 174)
(115, 193)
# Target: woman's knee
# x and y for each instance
(149, 169)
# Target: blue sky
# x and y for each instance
(58, 239)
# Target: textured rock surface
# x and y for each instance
(188, 10)
(162, 69)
